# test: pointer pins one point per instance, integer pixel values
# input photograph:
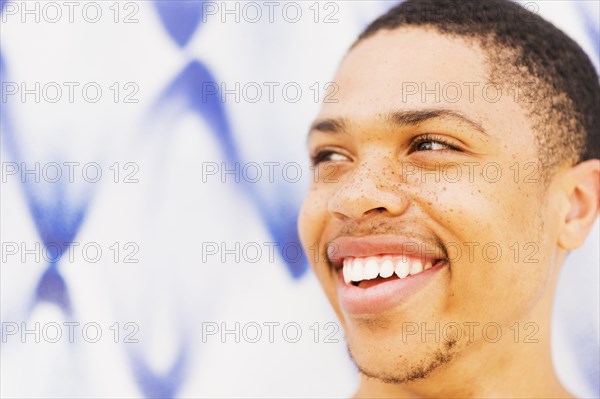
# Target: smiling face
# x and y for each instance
(432, 203)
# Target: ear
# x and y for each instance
(583, 190)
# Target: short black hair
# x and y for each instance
(519, 44)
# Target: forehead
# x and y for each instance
(412, 69)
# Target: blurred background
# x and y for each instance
(153, 164)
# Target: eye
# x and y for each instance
(431, 143)
(431, 146)
(327, 156)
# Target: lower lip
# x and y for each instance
(385, 295)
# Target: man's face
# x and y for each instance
(411, 171)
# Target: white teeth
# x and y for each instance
(371, 268)
(416, 267)
(347, 271)
(357, 270)
(387, 268)
(402, 267)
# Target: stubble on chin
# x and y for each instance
(406, 370)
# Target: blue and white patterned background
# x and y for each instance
(148, 99)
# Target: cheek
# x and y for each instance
(492, 230)
(479, 207)
(312, 221)
(315, 223)
(309, 220)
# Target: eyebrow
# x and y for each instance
(400, 119)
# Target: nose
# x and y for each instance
(368, 191)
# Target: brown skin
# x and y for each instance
(361, 188)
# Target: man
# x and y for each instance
(454, 173)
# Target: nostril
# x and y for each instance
(352, 203)
(376, 210)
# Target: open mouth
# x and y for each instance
(366, 272)
(378, 283)
(377, 273)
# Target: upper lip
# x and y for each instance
(372, 245)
